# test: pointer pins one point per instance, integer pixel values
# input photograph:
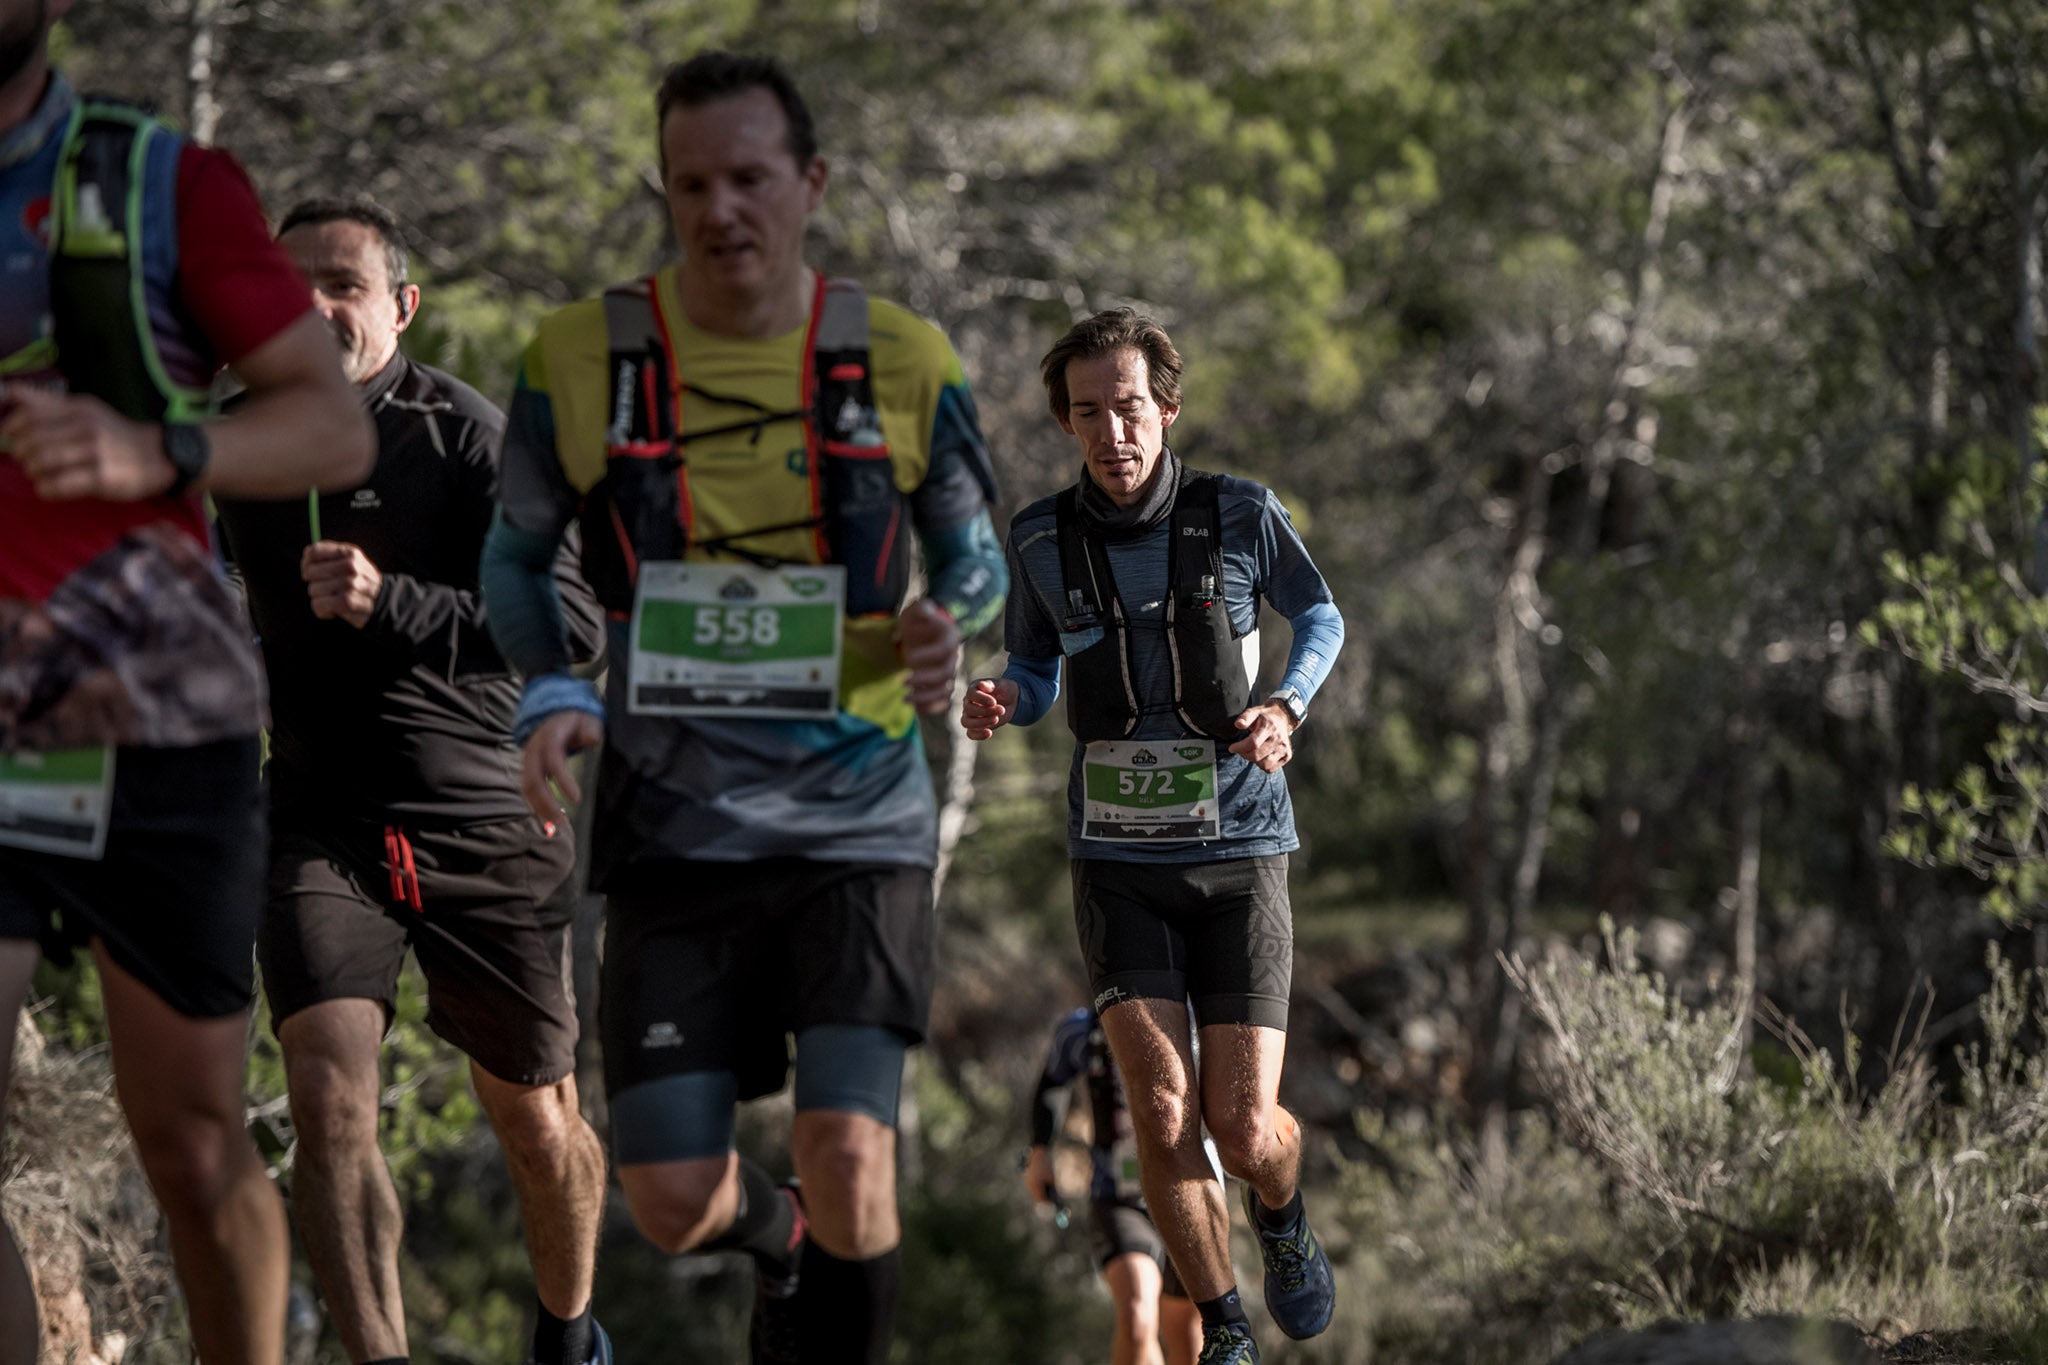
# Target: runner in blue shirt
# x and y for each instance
(1145, 578)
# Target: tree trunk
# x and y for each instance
(205, 49)
(1748, 867)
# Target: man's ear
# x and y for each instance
(408, 305)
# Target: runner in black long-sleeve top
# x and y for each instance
(397, 818)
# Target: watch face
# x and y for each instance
(185, 446)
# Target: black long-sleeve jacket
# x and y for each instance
(408, 719)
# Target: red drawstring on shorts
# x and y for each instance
(405, 878)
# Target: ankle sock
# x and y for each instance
(1222, 1311)
(563, 1341)
(1282, 1219)
(848, 1308)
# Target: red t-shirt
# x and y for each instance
(239, 290)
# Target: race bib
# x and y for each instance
(57, 802)
(1146, 791)
(737, 640)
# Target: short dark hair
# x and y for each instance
(1117, 329)
(364, 210)
(710, 76)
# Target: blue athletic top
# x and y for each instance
(1263, 559)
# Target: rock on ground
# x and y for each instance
(1764, 1341)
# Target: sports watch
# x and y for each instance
(1291, 702)
(188, 450)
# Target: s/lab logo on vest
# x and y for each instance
(663, 1034)
(738, 590)
(1194, 530)
(622, 405)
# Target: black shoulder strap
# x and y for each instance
(1197, 540)
(642, 412)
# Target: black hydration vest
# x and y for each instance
(640, 510)
(1210, 689)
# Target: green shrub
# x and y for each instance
(1664, 1178)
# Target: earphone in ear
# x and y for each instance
(404, 307)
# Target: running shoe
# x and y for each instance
(1230, 1344)
(1301, 1293)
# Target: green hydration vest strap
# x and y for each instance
(105, 345)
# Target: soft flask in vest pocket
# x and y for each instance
(863, 511)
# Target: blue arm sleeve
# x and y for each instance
(1318, 635)
(1038, 686)
(521, 603)
(968, 576)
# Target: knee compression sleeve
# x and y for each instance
(850, 1068)
(676, 1118)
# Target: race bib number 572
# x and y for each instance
(1146, 791)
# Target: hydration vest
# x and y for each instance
(641, 510)
(1210, 689)
(102, 233)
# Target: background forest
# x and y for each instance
(1658, 384)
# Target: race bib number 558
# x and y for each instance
(737, 640)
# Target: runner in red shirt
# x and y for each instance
(130, 696)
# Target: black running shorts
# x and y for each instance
(486, 908)
(715, 975)
(174, 897)
(1122, 1228)
(1217, 934)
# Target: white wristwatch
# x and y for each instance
(1291, 702)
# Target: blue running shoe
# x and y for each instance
(1229, 1344)
(1301, 1293)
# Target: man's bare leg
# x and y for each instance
(1150, 1040)
(19, 1331)
(557, 1167)
(1180, 1329)
(1257, 1140)
(343, 1200)
(180, 1083)
(1133, 1280)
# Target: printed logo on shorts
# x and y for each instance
(364, 500)
(663, 1034)
(1108, 997)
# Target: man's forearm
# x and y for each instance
(521, 605)
(301, 425)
